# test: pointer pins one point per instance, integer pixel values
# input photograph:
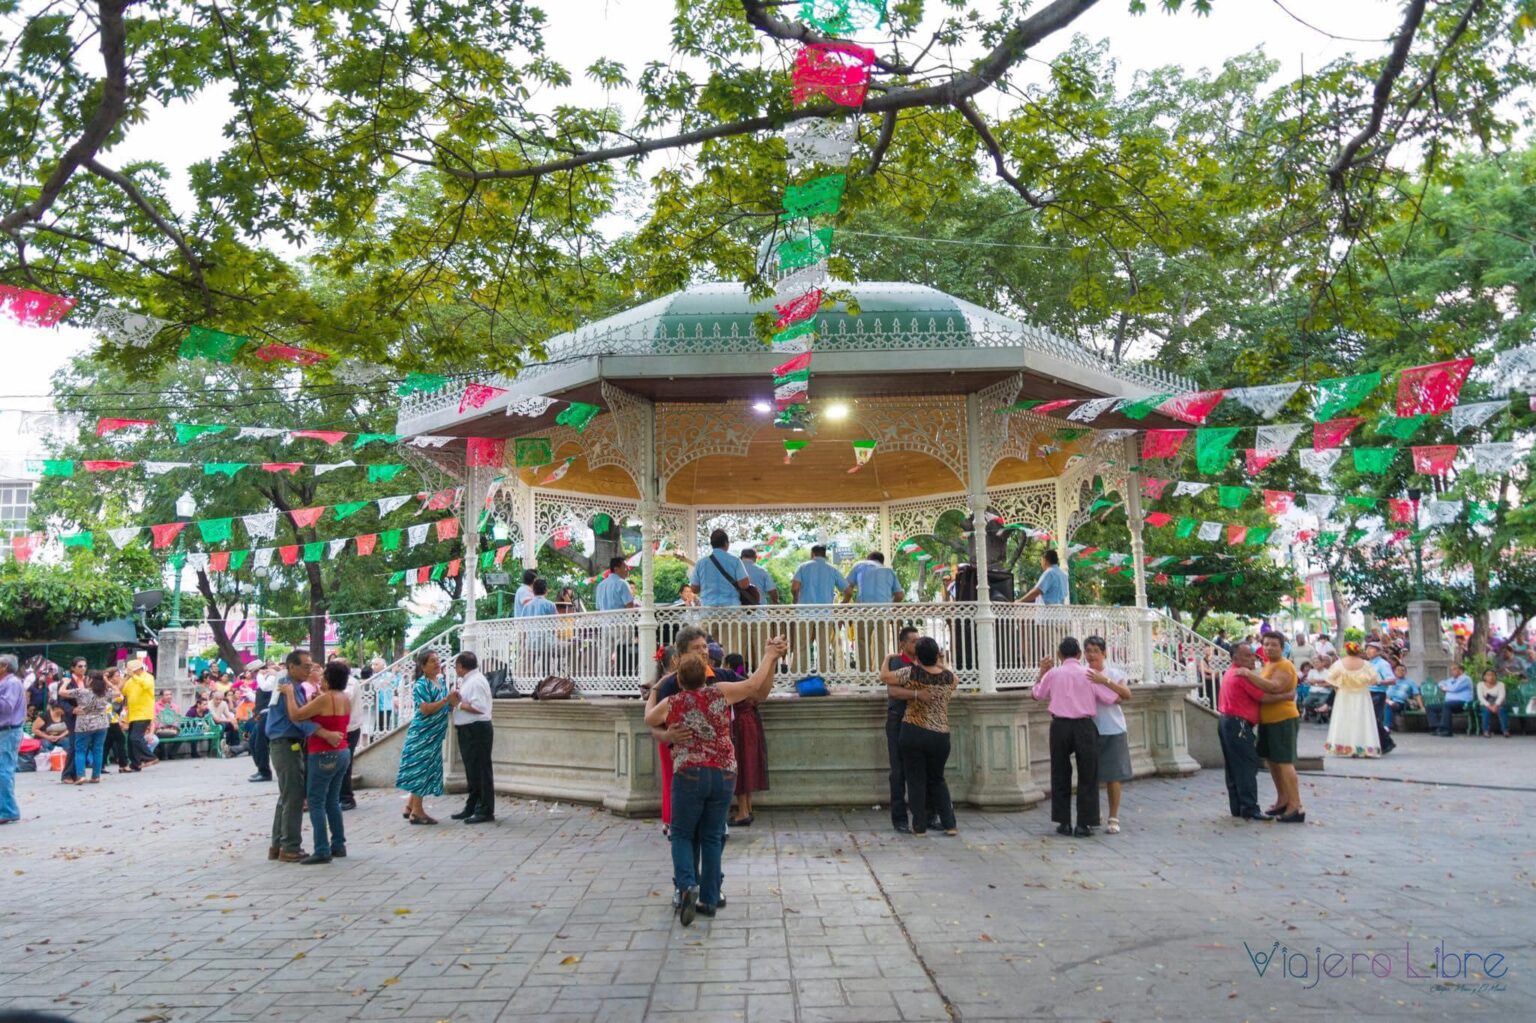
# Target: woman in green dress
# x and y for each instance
(421, 761)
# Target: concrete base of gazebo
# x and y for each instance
(821, 752)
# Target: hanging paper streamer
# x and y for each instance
(792, 448)
(364, 439)
(288, 353)
(448, 529)
(1441, 513)
(35, 308)
(1088, 411)
(305, 517)
(1232, 497)
(188, 432)
(1400, 510)
(105, 426)
(1373, 460)
(1162, 443)
(1278, 502)
(225, 469)
(123, 536)
(485, 451)
(837, 70)
(1133, 408)
(1265, 401)
(1434, 459)
(840, 17)
(1433, 389)
(1210, 531)
(1277, 439)
(329, 437)
(1157, 519)
(1341, 394)
(1256, 461)
(384, 473)
(531, 406)
(1480, 513)
(214, 345)
(1322, 505)
(105, 465)
(560, 471)
(1471, 416)
(1187, 528)
(798, 310)
(166, 533)
(532, 451)
(347, 509)
(819, 140)
(1494, 459)
(818, 197)
(863, 451)
(1320, 463)
(476, 395)
(1332, 433)
(216, 530)
(578, 415)
(1236, 534)
(366, 543)
(1400, 427)
(1152, 489)
(427, 383)
(805, 250)
(261, 526)
(1194, 407)
(439, 500)
(1211, 447)
(1186, 488)
(122, 327)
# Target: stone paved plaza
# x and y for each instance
(150, 899)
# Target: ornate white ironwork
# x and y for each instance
(757, 523)
(595, 649)
(388, 698)
(994, 429)
(553, 510)
(933, 427)
(1033, 504)
(686, 433)
(920, 516)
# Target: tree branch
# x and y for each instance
(113, 105)
(1396, 61)
(887, 132)
(959, 87)
(131, 190)
(1000, 165)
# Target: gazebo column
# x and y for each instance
(886, 539)
(976, 500)
(1136, 521)
(469, 517)
(650, 508)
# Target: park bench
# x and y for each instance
(191, 730)
(1433, 697)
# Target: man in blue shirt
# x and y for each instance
(614, 594)
(876, 584)
(1401, 695)
(524, 593)
(1379, 694)
(1051, 587)
(1456, 695)
(719, 577)
(760, 578)
(285, 739)
(818, 582)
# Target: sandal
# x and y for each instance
(1113, 827)
(423, 819)
(741, 822)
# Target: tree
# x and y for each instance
(297, 597)
(41, 601)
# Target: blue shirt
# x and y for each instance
(1383, 667)
(718, 587)
(1053, 586)
(1399, 692)
(1458, 688)
(878, 585)
(614, 594)
(760, 577)
(819, 582)
(279, 725)
(539, 606)
(520, 600)
(856, 573)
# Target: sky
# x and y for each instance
(635, 31)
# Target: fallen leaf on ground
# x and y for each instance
(570, 960)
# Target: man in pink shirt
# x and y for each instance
(1074, 700)
(1242, 690)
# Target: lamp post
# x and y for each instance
(1414, 494)
(260, 572)
(186, 507)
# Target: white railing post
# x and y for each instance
(976, 498)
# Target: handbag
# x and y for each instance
(749, 597)
(554, 687)
(812, 685)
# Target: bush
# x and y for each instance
(42, 601)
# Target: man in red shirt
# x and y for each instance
(1238, 701)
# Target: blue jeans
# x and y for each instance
(10, 749)
(701, 797)
(90, 749)
(323, 774)
(1503, 713)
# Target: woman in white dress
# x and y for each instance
(1352, 725)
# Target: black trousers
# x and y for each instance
(117, 745)
(138, 748)
(1440, 714)
(1074, 737)
(1240, 752)
(923, 755)
(260, 753)
(353, 737)
(475, 751)
(893, 717)
(1378, 703)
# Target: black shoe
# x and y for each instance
(463, 814)
(934, 824)
(721, 903)
(349, 806)
(480, 818)
(258, 776)
(705, 910)
(1063, 829)
(901, 827)
(1083, 831)
(314, 858)
(1257, 816)
(339, 851)
(1299, 817)
(689, 906)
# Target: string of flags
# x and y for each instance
(66, 467)
(1279, 502)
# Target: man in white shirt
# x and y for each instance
(471, 702)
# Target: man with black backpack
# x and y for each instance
(721, 580)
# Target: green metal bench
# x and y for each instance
(191, 730)
(1516, 695)
(1430, 693)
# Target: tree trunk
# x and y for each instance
(317, 611)
(216, 622)
(1477, 644)
(1340, 612)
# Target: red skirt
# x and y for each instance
(751, 749)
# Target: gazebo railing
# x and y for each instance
(387, 699)
(844, 643)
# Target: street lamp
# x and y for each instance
(1414, 493)
(186, 507)
(260, 572)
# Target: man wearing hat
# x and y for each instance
(139, 697)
